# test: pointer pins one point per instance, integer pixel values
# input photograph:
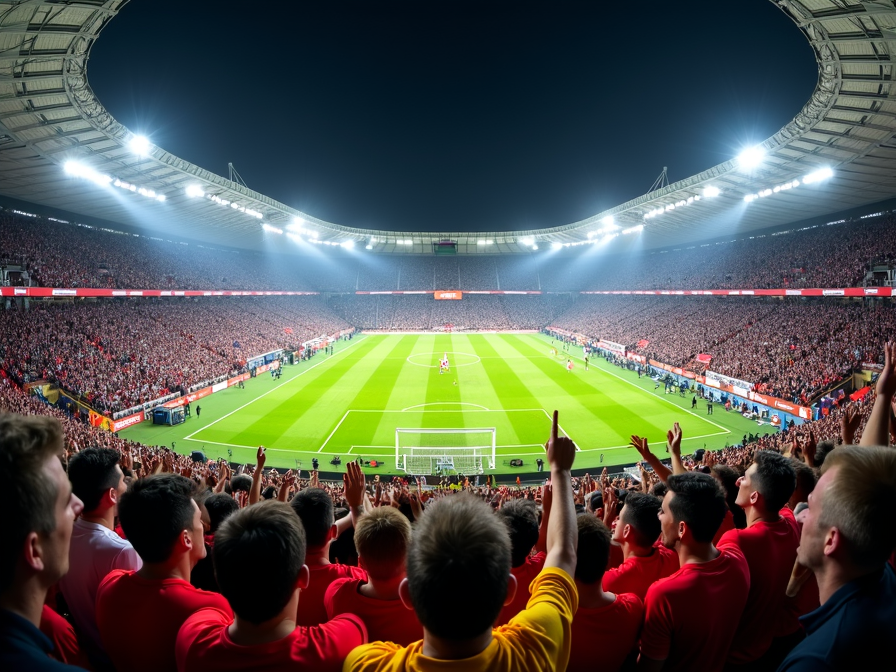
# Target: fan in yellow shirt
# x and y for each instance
(460, 542)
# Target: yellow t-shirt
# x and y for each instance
(536, 639)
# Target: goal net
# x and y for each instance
(424, 452)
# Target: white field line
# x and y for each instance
(446, 403)
(677, 408)
(560, 427)
(273, 389)
(338, 424)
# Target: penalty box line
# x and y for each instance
(273, 389)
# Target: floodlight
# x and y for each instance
(819, 175)
(348, 244)
(751, 157)
(608, 221)
(556, 246)
(139, 144)
(711, 191)
(534, 247)
(633, 229)
(368, 247)
(271, 229)
(195, 191)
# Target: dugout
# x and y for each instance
(168, 416)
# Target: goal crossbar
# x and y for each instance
(432, 450)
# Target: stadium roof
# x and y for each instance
(49, 116)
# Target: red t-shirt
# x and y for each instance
(311, 600)
(690, 617)
(603, 638)
(770, 550)
(130, 610)
(203, 643)
(727, 524)
(65, 642)
(386, 620)
(637, 574)
(525, 574)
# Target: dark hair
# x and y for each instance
(593, 552)
(521, 518)
(659, 490)
(92, 472)
(315, 509)
(241, 483)
(266, 534)
(640, 512)
(220, 507)
(774, 479)
(597, 500)
(727, 477)
(269, 492)
(458, 542)
(699, 501)
(806, 478)
(822, 450)
(28, 497)
(154, 512)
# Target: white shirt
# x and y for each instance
(95, 551)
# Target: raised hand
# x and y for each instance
(639, 443)
(886, 382)
(260, 458)
(416, 506)
(673, 440)
(353, 480)
(561, 451)
(850, 420)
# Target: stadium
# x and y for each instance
(184, 320)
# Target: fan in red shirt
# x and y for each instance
(263, 634)
(606, 626)
(688, 623)
(315, 509)
(769, 544)
(521, 518)
(381, 538)
(637, 529)
(164, 525)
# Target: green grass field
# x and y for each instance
(349, 404)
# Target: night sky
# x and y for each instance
(453, 116)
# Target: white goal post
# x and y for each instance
(428, 451)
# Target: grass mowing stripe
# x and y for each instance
(595, 415)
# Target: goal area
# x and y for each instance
(427, 451)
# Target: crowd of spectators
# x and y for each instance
(712, 562)
(124, 353)
(61, 254)
(791, 350)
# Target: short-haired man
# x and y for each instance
(315, 509)
(214, 509)
(382, 538)
(163, 523)
(606, 627)
(769, 544)
(848, 534)
(460, 544)
(96, 549)
(636, 532)
(260, 563)
(687, 622)
(521, 518)
(40, 510)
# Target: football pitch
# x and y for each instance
(349, 404)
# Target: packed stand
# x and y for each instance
(125, 353)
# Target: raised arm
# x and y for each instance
(562, 531)
(673, 441)
(353, 479)
(877, 429)
(255, 492)
(640, 444)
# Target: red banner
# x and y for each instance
(848, 291)
(643, 343)
(128, 421)
(193, 396)
(703, 357)
(448, 296)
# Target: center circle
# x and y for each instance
(455, 359)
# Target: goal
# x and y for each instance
(424, 452)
